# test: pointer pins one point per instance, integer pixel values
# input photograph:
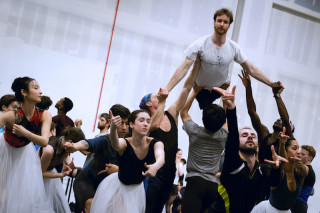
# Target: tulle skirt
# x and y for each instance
(55, 194)
(115, 197)
(266, 207)
(21, 182)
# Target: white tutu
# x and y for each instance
(115, 197)
(266, 207)
(55, 194)
(21, 182)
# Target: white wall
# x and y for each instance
(63, 44)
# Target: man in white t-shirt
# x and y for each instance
(216, 53)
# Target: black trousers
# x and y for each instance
(199, 195)
(206, 97)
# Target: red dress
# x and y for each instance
(33, 126)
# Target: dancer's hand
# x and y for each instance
(227, 97)
(72, 166)
(151, 172)
(277, 87)
(162, 94)
(69, 147)
(282, 136)
(276, 159)
(115, 121)
(19, 130)
(110, 168)
(245, 78)
(66, 171)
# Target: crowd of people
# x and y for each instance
(134, 163)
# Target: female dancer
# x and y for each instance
(21, 183)
(53, 155)
(179, 174)
(139, 156)
(283, 196)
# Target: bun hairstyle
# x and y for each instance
(19, 84)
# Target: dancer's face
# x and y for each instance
(102, 123)
(221, 24)
(142, 123)
(34, 93)
(248, 140)
(122, 130)
(179, 155)
(293, 149)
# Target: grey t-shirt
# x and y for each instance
(205, 150)
(215, 61)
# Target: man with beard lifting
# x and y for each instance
(244, 181)
(216, 53)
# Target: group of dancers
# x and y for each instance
(144, 143)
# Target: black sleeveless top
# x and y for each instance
(130, 167)
(57, 158)
(170, 142)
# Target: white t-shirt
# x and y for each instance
(215, 61)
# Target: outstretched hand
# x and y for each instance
(276, 159)
(110, 168)
(151, 172)
(72, 166)
(245, 78)
(227, 97)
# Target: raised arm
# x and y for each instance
(282, 108)
(179, 73)
(176, 107)
(261, 129)
(232, 160)
(118, 144)
(185, 110)
(158, 116)
(159, 156)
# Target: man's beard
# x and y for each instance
(101, 127)
(220, 31)
(248, 151)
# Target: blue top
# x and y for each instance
(103, 153)
(308, 184)
(2, 130)
(283, 199)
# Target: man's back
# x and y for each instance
(62, 121)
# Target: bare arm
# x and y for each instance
(118, 144)
(158, 116)
(179, 73)
(282, 108)
(45, 159)
(261, 129)
(82, 145)
(176, 107)
(184, 114)
(159, 156)
(256, 72)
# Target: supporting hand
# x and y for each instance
(227, 97)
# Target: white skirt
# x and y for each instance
(266, 207)
(115, 197)
(55, 194)
(21, 182)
